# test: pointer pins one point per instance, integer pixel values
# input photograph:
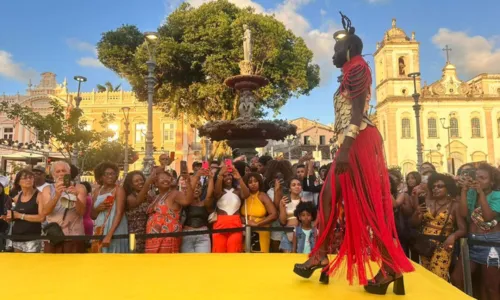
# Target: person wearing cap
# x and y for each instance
(40, 177)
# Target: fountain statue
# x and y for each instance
(247, 132)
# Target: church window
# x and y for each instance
(432, 128)
(402, 66)
(476, 127)
(453, 127)
(405, 128)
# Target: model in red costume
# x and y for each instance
(358, 179)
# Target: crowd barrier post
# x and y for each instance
(248, 239)
(464, 250)
(132, 242)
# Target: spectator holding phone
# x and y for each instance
(438, 216)
(108, 210)
(480, 204)
(290, 196)
(64, 205)
(164, 213)
(197, 215)
(229, 191)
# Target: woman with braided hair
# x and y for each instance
(358, 183)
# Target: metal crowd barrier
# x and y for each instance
(464, 250)
(132, 236)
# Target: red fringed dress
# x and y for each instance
(365, 192)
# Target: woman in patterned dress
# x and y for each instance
(136, 211)
(439, 215)
(164, 213)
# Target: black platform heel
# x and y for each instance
(381, 288)
(306, 272)
(324, 278)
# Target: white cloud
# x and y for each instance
(322, 12)
(90, 62)
(87, 61)
(319, 40)
(13, 70)
(472, 55)
(76, 44)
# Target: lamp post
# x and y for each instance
(126, 111)
(78, 100)
(443, 121)
(151, 39)
(416, 108)
(438, 148)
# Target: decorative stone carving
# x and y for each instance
(247, 107)
(464, 89)
(246, 67)
(438, 89)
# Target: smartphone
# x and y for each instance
(286, 193)
(317, 164)
(471, 173)
(67, 180)
(184, 167)
(304, 153)
(172, 156)
(229, 165)
(205, 165)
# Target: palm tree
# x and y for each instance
(108, 86)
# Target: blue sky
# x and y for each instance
(59, 35)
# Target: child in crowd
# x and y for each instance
(304, 234)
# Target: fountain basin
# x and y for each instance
(248, 129)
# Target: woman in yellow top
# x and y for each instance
(258, 211)
(439, 216)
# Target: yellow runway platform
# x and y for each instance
(187, 276)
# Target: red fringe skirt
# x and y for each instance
(367, 208)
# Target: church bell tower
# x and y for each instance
(397, 55)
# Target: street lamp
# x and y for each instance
(438, 148)
(416, 108)
(126, 111)
(443, 122)
(78, 100)
(151, 39)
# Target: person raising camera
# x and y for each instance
(63, 204)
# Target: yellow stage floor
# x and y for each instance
(187, 276)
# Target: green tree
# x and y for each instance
(199, 48)
(64, 128)
(108, 86)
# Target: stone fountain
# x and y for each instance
(247, 132)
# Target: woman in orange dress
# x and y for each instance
(164, 213)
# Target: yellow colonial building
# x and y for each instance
(169, 134)
(458, 119)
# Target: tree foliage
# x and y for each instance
(64, 128)
(198, 48)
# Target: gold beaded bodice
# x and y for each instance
(343, 111)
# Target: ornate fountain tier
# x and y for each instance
(247, 132)
(248, 129)
(246, 82)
